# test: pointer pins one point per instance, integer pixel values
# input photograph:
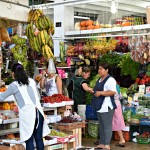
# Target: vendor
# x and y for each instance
(50, 80)
(78, 86)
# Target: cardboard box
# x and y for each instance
(15, 147)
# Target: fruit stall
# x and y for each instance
(124, 44)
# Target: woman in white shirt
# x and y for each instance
(52, 83)
(103, 102)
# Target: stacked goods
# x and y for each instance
(20, 50)
(59, 134)
(56, 98)
(132, 90)
(38, 32)
(89, 25)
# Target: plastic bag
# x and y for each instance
(51, 66)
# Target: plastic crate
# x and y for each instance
(143, 140)
(145, 121)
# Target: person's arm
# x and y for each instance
(59, 84)
(110, 86)
(42, 83)
(7, 93)
(104, 93)
(87, 88)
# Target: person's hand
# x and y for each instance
(97, 93)
(90, 90)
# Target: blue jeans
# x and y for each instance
(37, 134)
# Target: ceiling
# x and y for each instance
(94, 8)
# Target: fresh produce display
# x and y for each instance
(132, 89)
(56, 98)
(48, 138)
(20, 50)
(142, 79)
(68, 119)
(57, 133)
(3, 88)
(144, 101)
(127, 115)
(144, 135)
(92, 48)
(38, 32)
(128, 66)
(93, 129)
(34, 14)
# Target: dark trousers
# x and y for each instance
(105, 129)
(37, 134)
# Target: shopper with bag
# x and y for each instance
(103, 102)
(32, 124)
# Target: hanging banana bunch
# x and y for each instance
(34, 14)
(41, 42)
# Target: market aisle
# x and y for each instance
(88, 142)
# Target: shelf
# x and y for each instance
(64, 67)
(8, 131)
(14, 120)
(107, 30)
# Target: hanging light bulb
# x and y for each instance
(113, 7)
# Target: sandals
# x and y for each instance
(120, 145)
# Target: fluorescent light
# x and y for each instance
(80, 17)
(113, 7)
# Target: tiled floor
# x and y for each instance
(89, 142)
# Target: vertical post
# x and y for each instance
(63, 21)
(0, 64)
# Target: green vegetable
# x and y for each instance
(128, 66)
(93, 129)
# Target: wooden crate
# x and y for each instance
(64, 126)
(56, 146)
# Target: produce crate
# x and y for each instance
(145, 121)
(141, 140)
(64, 126)
(78, 125)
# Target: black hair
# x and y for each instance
(104, 65)
(19, 74)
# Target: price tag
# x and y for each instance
(129, 99)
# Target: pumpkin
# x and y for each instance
(96, 27)
(90, 27)
(89, 22)
(83, 23)
(83, 28)
(6, 106)
(126, 24)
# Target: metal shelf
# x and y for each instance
(108, 30)
(14, 120)
(64, 67)
(8, 131)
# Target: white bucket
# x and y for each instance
(81, 107)
(82, 114)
